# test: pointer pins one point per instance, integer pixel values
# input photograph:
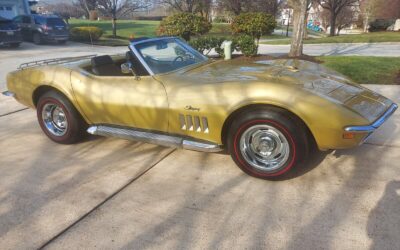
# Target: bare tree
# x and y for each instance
(335, 7)
(299, 16)
(345, 18)
(239, 6)
(119, 8)
(86, 6)
(234, 6)
(65, 10)
(181, 5)
(324, 17)
(204, 7)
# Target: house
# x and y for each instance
(12, 8)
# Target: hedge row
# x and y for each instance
(243, 43)
(86, 34)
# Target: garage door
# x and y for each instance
(7, 11)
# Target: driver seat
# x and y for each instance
(136, 64)
(105, 66)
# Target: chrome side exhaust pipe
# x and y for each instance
(154, 138)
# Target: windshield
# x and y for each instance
(55, 22)
(169, 54)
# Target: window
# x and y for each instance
(1, 8)
(40, 20)
(18, 19)
(26, 19)
(55, 22)
(8, 8)
(169, 54)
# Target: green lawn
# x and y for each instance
(374, 37)
(366, 70)
(139, 28)
(224, 29)
(126, 29)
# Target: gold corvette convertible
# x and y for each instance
(265, 113)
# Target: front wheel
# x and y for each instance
(59, 119)
(268, 143)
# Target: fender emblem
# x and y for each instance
(192, 108)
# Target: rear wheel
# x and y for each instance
(15, 45)
(61, 42)
(37, 38)
(59, 119)
(268, 143)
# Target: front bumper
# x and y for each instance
(53, 38)
(371, 128)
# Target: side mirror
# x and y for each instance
(126, 68)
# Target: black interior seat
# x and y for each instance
(105, 66)
(136, 64)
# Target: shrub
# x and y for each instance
(86, 34)
(184, 25)
(379, 25)
(220, 19)
(246, 45)
(254, 24)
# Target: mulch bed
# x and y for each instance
(397, 79)
(268, 57)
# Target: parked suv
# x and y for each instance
(10, 34)
(43, 28)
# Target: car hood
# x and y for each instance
(308, 76)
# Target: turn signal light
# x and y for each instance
(348, 135)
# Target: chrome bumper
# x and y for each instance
(371, 128)
(9, 93)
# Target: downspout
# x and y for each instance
(27, 7)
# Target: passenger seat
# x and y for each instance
(105, 66)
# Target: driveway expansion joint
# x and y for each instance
(47, 243)
(13, 112)
(381, 145)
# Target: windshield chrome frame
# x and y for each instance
(132, 47)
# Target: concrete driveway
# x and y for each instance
(109, 193)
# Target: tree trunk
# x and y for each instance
(366, 22)
(333, 24)
(305, 27)
(114, 18)
(299, 16)
(114, 26)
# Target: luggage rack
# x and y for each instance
(53, 61)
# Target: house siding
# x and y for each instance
(12, 8)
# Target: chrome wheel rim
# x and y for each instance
(264, 148)
(54, 119)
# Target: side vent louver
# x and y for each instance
(195, 123)
(205, 124)
(189, 122)
(182, 122)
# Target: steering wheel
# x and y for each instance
(177, 58)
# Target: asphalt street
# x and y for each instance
(108, 193)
